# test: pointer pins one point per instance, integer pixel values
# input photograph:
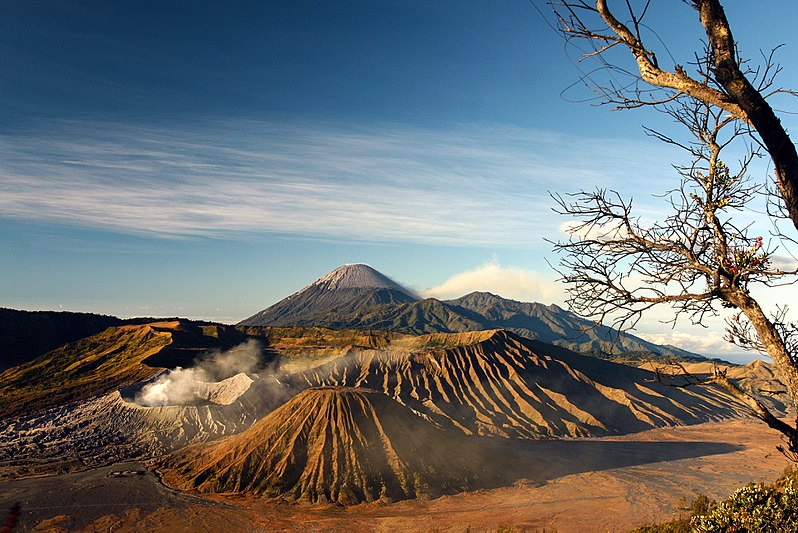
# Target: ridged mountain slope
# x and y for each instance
(554, 325)
(107, 361)
(328, 444)
(496, 383)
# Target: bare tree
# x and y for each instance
(616, 267)
(723, 78)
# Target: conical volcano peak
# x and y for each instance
(358, 276)
(347, 291)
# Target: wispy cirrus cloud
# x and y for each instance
(458, 186)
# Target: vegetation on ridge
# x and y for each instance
(81, 369)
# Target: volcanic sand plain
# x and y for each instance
(603, 484)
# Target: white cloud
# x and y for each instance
(508, 282)
(708, 342)
(783, 262)
(483, 187)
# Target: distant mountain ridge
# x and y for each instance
(359, 297)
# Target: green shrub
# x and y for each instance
(702, 505)
(753, 508)
(757, 507)
(676, 526)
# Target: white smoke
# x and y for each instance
(508, 282)
(185, 386)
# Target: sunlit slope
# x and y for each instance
(105, 362)
(496, 383)
(318, 342)
(25, 335)
(759, 378)
(330, 445)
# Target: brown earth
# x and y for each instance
(82, 369)
(757, 377)
(107, 361)
(496, 383)
(415, 426)
(332, 444)
(598, 485)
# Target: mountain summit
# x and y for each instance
(358, 276)
(349, 290)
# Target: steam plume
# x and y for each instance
(183, 386)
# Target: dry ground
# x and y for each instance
(609, 484)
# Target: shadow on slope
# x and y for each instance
(25, 335)
(115, 358)
(350, 445)
(496, 383)
(81, 498)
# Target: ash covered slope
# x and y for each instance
(329, 444)
(349, 290)
(359, 297)
(496, 383)
(114, 428)
(99, 401)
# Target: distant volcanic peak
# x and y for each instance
(347, 291)
(358, 276)
(485, 295)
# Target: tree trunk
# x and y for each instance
(758, 112)
(768, 335)
(759, 410)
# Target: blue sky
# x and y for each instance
(207, 159)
